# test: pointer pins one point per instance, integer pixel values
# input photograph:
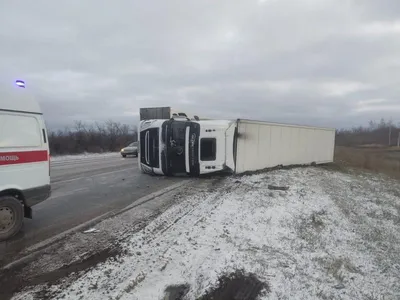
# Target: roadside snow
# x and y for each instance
(60, 158)
(330, 236)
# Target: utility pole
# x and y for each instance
(398, 141)
(390, 131)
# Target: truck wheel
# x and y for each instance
(123, 155)
(11, 217)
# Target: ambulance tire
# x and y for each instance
(12, 212)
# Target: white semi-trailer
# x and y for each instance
(182, 146)
(264, 145)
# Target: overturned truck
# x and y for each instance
(180, 145)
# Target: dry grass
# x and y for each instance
(377, 159)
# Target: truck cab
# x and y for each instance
(181, 146)
(216, 145)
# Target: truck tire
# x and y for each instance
(11, 217)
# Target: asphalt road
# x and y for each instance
(83, 189)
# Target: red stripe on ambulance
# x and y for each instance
(23, 157)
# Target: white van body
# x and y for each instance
(24, 158)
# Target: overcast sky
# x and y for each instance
(320, 62)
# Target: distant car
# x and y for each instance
(131, 149)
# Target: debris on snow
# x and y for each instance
(278, 188)
(339, 286)
(92, 230)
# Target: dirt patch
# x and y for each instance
(176, 292)
(14, 280)
(237, 286)
(339, 267)
(309, 228)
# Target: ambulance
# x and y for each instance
(24, 157)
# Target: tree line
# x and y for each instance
(93, 138)
(112, 136)
(383, 132)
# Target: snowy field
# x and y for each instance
(62, 158)
(328, 236)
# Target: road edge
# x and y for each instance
(34, 250)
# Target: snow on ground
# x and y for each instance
(330, 236)
(61, 158)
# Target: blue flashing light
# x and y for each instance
(20, 83)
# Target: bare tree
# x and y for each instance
(97, 137)
(376, 133)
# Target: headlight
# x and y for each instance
(122, 150)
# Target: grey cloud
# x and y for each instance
(306, 61)
(379, 9)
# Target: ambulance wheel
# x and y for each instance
(11, 217)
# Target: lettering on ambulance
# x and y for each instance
(23, 157)
(9, 158)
